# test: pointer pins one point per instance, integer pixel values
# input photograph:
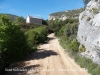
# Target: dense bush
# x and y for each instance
(88, 19)
(69, 30)
(36, 36)
(32, 36)
(86, 2)
(72, 20)
(67, 35)
(55, 25)
(74, 45)
(19, 20)
(82, 48)
(42, 33)
(13, 45)
(62, 31)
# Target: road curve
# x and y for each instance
(49, 59)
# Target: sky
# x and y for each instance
(38, 8)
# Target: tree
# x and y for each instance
(13, 45)
(44, 22)
(86, 2)
(55, 25)
(19, 20)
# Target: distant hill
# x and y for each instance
(65, 14)
(12, 17)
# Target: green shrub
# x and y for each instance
(36, 36)
(74, 46)
(88, 19)
(72, 20)
(42, 33)
(95, 10)
(71, 30)
(32, 37)
(61, 31)
(13, 45)
(82, 48)
(55, 25)
(86, 2)
(93, 68)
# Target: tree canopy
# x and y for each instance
(19, 20)
(86, 2)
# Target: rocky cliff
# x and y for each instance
(65, 14)
(63, 17)
(89, 30)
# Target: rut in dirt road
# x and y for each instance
(49, 59)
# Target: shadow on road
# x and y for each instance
(24, 70)
(40, 54)
(51, 38)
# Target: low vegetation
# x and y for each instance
(86, 2)
(82, 48)
(89, 65)
(16, 44)
(74, 45)
(67, 33)
(12, 17)
(36, 35)
(13, 45)
(88, 19)
(95, 10)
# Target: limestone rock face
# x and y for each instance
(51, 18)
(63, 17)
(89, 30)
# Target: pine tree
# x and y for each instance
(86, 2)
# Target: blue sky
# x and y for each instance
(39, 8)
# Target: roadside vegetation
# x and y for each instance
(17, 41)
(66, 31)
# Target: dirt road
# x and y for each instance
(49, 59)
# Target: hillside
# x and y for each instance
(12, 17)
(65, 14)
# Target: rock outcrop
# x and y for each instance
(63, 17)
(52, 17)
(65, 14)
(89, 30)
